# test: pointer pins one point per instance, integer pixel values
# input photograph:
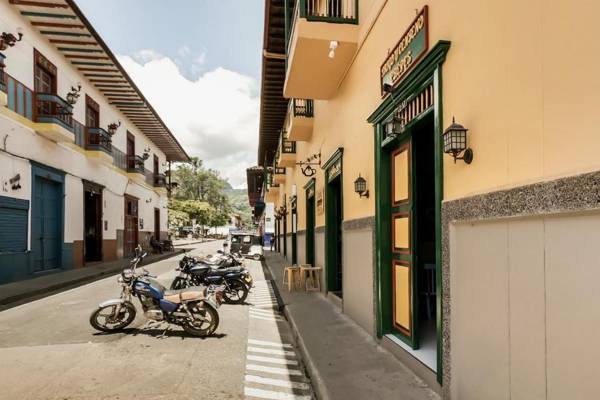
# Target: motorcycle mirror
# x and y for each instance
(220, 251)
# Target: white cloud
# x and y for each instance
(215, 117)
(201, 59)
(146, 55)
(184, 51)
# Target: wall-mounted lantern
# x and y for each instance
(9, 40)
(455, 142)
(394, 126)
(360, 187)
(74, 94)
(146, 154)
(112, 128)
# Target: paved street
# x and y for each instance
(48, 350)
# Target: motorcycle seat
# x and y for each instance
(188, 294)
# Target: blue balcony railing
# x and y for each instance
(20, 97)
(99, 140)
(135, 164)
(50, 108)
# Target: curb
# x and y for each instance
(41, 292)
(317, 381)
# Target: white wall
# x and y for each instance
(25, 142)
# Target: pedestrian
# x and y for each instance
(272, 243)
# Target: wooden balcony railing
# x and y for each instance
(135, 164)
(302, 108)
(51, 108)
(98, 140)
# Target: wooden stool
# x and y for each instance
(313, 277)
(288, 277)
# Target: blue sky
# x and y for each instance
(204, 55)
(227, 32)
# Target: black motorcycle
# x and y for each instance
(193, 272)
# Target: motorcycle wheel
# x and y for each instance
(105, 319)
(257, 257)
(236, 293)
(179, 283)
(206, 320)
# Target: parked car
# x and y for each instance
(248, 244)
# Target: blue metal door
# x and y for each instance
(46, 229)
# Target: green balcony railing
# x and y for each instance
(99, 140)
(332, 11)
(302, 108)
(336, 11)
(160, 180)
(135, 164)
(288, 147)
(53, 109)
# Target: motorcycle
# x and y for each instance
(236, 280)
(232, 262)
(192, 308)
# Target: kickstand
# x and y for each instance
(164, 334)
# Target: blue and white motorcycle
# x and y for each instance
(193, 308)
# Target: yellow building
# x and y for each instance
(470, 253)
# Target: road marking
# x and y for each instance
(275, 319)
(271, 360)
(264, 312)
(268, 343)
(271, 351)
(274, 370)
(286, 383)
(269, 394)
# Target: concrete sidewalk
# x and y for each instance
(342, 360)
(15, 293)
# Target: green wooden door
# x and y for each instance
(46, 224)
(404, 298)
(310, 226)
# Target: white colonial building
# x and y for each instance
(84, 158)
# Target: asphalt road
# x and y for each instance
(48, 350)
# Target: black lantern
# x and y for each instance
(393, 126)
(74, 94)
(360, 187)
(112, 128)
(9, 40)
(455, 142)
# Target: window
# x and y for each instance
(247, 240)
(14, 223)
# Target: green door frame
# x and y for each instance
(428, 71)
(333, 170)
(294, 207)
(309, 189)
(284, 230)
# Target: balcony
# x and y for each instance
(286, 153)
(99, 145)
(272, 194)
(135, 167)
(299, 120)
(278, 175)
(160, 181)
(323, 40)
(3, 95)
(54, 118)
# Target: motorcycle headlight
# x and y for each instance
(120, 279)
(127, 274)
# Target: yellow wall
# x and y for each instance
(524, 83)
